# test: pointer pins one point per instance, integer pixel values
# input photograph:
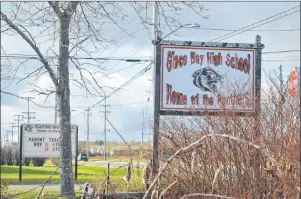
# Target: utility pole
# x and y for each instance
(2, 142)
(281, 106)
(156, 92)
(28, 112)
(18, 120)
(6, 140)
(12, 132)
(105, 127)
(105, 131)
(88, 128)
(142, 129)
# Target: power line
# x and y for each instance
(282, 57)
(129, 104)
(24, 56)
(280, 60)
(196, 28)
(125, 84)
(135, 49)
(258, 30)
(123, 68)
(72, 107)
(253, 24)
(284, 51)
(261, 24)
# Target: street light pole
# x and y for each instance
(156, 89)
(158, 38)
(156, 121)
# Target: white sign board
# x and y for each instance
(205, 78)
(43, 140)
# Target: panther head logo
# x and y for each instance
(28, 128)
(206, 79)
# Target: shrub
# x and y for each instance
(9, 156)
(17, 157)
(38, 162)
(26, 162)
(2, 156)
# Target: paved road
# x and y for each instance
(38, 186)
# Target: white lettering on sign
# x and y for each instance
(43, 140)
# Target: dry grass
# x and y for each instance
(216, 156)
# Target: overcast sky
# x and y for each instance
(126, 111)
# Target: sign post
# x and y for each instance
(20, 155)
(76, 154)
(201, 78)
(43, 141)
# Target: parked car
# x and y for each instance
(82, 157)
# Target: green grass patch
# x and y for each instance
(38, 175)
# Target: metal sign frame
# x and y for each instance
(257, 75)
(257, 46)
(21, 152)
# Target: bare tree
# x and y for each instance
(77, 28)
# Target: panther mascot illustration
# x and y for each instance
(206, 79)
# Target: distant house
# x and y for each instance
(99, 150)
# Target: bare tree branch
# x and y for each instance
(8, 93)
(82, 41)
(39, 195)
(35, 48)
(114, 20)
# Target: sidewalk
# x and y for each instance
(39, 186)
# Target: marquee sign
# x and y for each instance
(207, 79)
(43, 140)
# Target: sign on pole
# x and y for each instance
(206, 78)
(43, 141)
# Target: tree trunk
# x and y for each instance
(67, 184)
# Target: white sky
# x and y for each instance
(128, 118)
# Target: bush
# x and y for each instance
(55, 161)
(17, 157)
(2, 156)
(38, 162)
(26, 162)
(9, 156)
